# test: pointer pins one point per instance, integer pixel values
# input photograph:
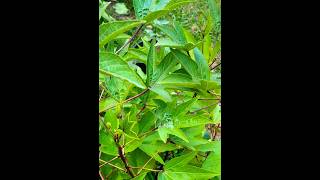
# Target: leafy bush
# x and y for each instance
(160, 92)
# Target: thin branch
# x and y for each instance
(110, 173)
(143, 167)
(212, 68)
(143, 108)
(131, 39)
(155, 170)
(101, 94)
(125, 161)
(106, 162)
(209, 99)
(116, 167)
(127, 100)
(101, 176)
(206, 107)
(147, 132)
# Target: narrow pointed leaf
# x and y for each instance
(111, 30)
(179, 161)
(112, 64)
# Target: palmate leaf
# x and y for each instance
(172, 44)
(136, 54)
(179, 161)
(179, 80)
(113, 65)
(102, 8)
(164, 133)
(150, 64)
(213, 161)
(191, 120)
(175, 3)
(108, 146)
(111, 117)
(150, 10)
(215, 13)
(155, 15)
(202, 64)
(111, 30)
(160, 72)
(188, 64)
(187, 172)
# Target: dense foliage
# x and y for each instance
(160, 89)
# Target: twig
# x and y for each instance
(143, 108)
(215, 66)
(116, 167)
(131, 39)
(129, 99)
(101, 94)
(125, 161)
(206, 107)
(101, 176)
(106, 162)
(155, 170)
(209, 99)
(143, 167)
(147, 132)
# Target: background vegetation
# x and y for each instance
(160, 89)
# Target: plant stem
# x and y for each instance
(125, 161)
(127, 100)
(106, 162)
(101, 176)
(206, 107)
(116, 167)
(143, 167)
(155, 170)
(147, 132)
(216, 66)
(131, 39)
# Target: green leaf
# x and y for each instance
(141, 7)
(179, 80)
(172, 44)
(217, 114)
(110, 30)
(189, 121)
(179, 161)
(136, 54)
(152, 152)
(111, 117)
(140, 176)
(184, 107)
(164, 132)
(210, 146)
(108, 146)
(165, 67)
(106, 104)
(202, 64)
(215, 14)
(112, 64)
(132, 144)
(213, 163)
(188, 64)
(150, 64)
(187, 173)
(121, 8)
(155, 15)
(176, 3)
(206, 48)
(102, 8)
(161, 92)
(209, 85)
(147, 121)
